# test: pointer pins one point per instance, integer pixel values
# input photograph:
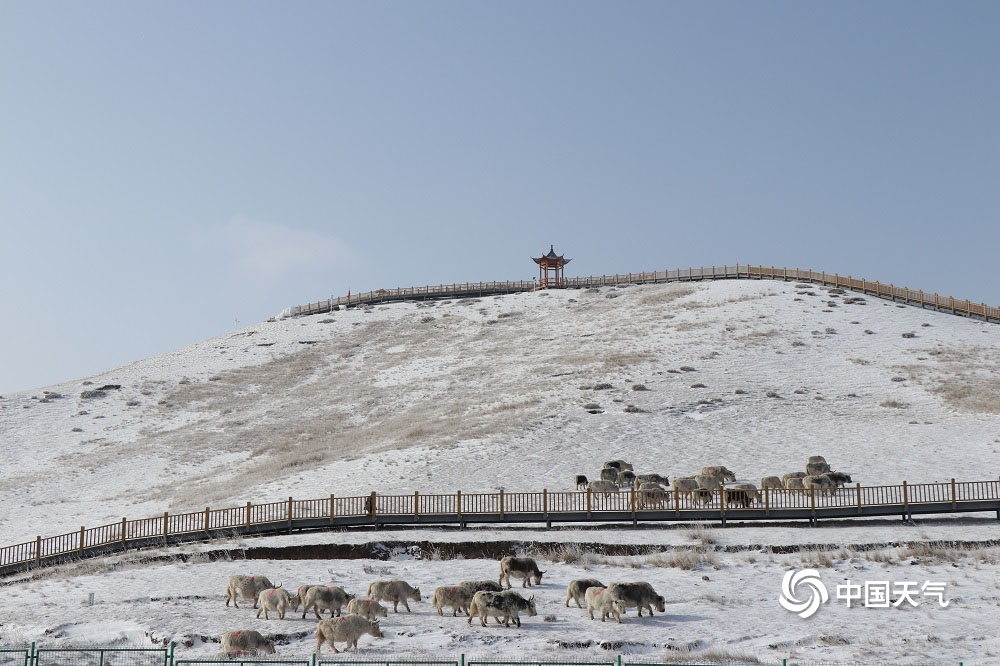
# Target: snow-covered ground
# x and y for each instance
(498, 392)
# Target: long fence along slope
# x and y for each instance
(462, 509)
(739, 271)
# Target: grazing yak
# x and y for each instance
(605, 487)
(702, 496)
(610, 475)
(817, 465)
(395, 591)
(839, 478)
(685, 484)
(275, 599)
(719, 472)
(742, 495)
(653, 478)
(300, 594)
(599, 599)
(505, 604)
(367, 608)
(331, 598)
(519, 567)
(821, 482)
(246, 641)
(706, 482)
(771, 482)
(626, 478)
(651, 495)
(791, 475)
(246, 587)
(474, 586)
(795, 483)
(637, 595)
(347, 628)
(581, 481)
(455, 596)
(577, 590)
(619, 465)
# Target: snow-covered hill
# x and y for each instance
(519, 392)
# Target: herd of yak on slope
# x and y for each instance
(651, 489)
(352, 617)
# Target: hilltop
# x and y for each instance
(518, 392)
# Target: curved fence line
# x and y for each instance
(739, 271)
(546, 507)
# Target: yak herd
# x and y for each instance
(352, 617)
(651, 489)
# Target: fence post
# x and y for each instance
(371, 505)
(123, 533)
(416, 503)
(249, 504)
(588, 501)
(458, 504)
(545, 501)
(166, 527)
(81, 540)
(858, 486)
(171, 657)
(38, 550)
(288, 513)
(206, 518)
(953, 494)
(332, 510)
(501, 505)
(906, 501)
(767, 500)
(677, 502)
(812, 503)
(722, 504)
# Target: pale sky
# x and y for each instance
(170, 171)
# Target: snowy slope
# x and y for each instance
(481, 394)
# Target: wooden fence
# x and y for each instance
(417, 509)
(739, 271)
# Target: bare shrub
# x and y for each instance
(665, 294)
(702, 534)
(894, 404)
(693, 653)
(881, 556)
(639, 387)
(603, 386)
(687, 560)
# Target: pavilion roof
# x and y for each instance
(551, 258)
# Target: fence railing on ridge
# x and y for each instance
(425, 509)
(739, 271)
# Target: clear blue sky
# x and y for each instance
(169, 168)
